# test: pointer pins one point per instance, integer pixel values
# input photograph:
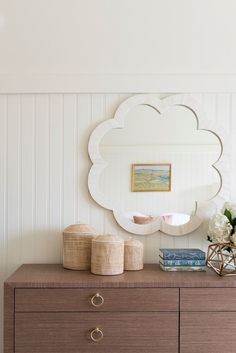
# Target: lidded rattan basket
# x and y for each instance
(107, 255)
(77, 243)
(133, 255)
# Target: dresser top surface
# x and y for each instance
(54, 275)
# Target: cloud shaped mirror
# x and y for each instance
(153, 166)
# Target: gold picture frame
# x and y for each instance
(151, 177)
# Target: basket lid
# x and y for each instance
(133, 242)
(80, 228)
(108, 238)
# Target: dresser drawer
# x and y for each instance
(122, 332)
(208, 299)
(119, 299)
(207, 332)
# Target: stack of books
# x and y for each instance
(182, 260)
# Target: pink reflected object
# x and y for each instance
(175, 218)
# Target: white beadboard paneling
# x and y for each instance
(44, 166)
(14, 194)
(166, 241)
(3, 203)
(98, 109)
(181, 242)
(82, 162)
(151, 246)
(41, 175)
(209, 102)
(3, 184)
(223, 110)
(69, 160)
(27, 209)
(56, 216)
(47, 166)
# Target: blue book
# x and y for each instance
(182, 262)
(183, 268)
(182, 254)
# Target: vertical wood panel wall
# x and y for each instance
(43, 174)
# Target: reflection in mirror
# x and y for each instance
(139, 218)
(175, 219)
(149, 137)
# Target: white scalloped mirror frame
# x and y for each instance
(161, 105)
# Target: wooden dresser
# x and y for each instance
(52, 310)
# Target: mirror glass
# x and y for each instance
(159, 165)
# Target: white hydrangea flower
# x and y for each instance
(233, 238)
(219, 229)
(231, 207)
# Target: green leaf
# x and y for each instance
(233, 222)
(209, 239)
(227, 213)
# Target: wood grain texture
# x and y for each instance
(208, 299)
(9, 338)
(119, 299)
(54, 303)
(50, 275)
(123, 332)
(207, 332)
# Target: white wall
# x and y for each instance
(43, 173)
(117, 45)
(95, 36)
(44, 167)
(112, 46)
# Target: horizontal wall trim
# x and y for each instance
(118, 83)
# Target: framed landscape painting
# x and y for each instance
(151, 177)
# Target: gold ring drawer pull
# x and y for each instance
(97, 300)
(96, 335)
